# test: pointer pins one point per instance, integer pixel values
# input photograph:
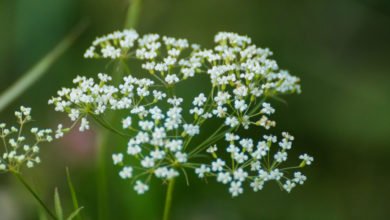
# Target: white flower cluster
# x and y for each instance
(111, 45)
(158, 144)
(162, 138)
(17, 151)
(94, 98)
(256, 163)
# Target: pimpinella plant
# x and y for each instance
(164, 128)
(21, 147)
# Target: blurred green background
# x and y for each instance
(339, 48)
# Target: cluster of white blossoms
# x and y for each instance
(164, 136)
(254, 162)
(17, 151)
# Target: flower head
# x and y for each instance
(163, 127)
(20, 146)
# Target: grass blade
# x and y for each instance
(75, 213)
(38, 70)
(72, 192)
(57, 205)
(41, 214)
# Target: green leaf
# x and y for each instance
(75, 214)
(41, 214)
(72, 191)
(57, 205)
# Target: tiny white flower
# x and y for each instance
(126, 123)
(217, 165)
(240, 157)
(232, 149)
(171, 79)
(181, 157)
(224, 177)
(267, 109)
(191, 130)
(236, 188)
(157, 154)
(161, 172)
(35, 149)
(140, 187)
(147, 162)
(232, 121)
(133, 149)
(59, 132)
(117, 158)
(172, 173)
(199, 100)
(30, 164)
(212, 149)
(240, 105)
(247, 144)
(126, 172)
(255, 166)
(158, 95)
(288, 186)
(275, 174)
(240, 175)
(306, 159)
(84, 125)
(286, 145)
(280, 156)
(202, 170)
(231, 137)
(257, 184)
(174, 145)
(299, 178)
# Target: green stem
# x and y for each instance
(130, 22)
(168, 199)
(39, 200)
(109, 127)
(103, 135)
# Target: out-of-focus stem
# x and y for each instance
(130, 22)
(132, 13)
(102, 141)
(37, 71)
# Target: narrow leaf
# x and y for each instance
(42, 214)
(57, 205)
(75, 214)
(72, 191)
(38, 70)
